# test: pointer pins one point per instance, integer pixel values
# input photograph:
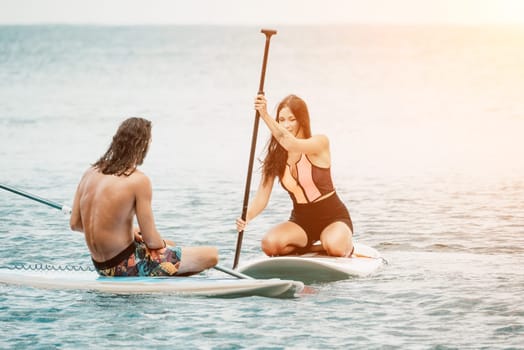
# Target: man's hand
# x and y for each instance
(138, 235)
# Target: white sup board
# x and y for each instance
(193, 286)
(315, 267)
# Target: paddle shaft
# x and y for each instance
(232, 272)
(268, 33)
(66, 209)
(48, 202)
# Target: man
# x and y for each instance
(109, 196)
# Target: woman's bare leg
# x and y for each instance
(337, 239)
(283, 239)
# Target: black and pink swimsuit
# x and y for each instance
(310, 211)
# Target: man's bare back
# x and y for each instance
(107, 209)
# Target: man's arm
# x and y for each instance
(144, 213)
(75, 222)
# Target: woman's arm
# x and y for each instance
(258, 204)
(313, 145)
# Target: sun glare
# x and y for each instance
(487, 11)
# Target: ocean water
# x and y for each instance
(425, 125)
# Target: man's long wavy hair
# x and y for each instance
(274, 164)
(128, 148)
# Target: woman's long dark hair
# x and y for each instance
(274, 163)
(128, 148)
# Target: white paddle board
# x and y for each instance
(193, 286)
(315, 267)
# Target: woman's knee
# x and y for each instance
(283, 239)
(271, 245)
(335, 249)
(337, 240)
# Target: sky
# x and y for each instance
(267, 12)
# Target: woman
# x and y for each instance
(302, 164)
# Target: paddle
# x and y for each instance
(268, 33)
(67, 210)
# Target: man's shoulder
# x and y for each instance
(88, 173)
(139, 177)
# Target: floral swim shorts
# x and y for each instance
(138, 260)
